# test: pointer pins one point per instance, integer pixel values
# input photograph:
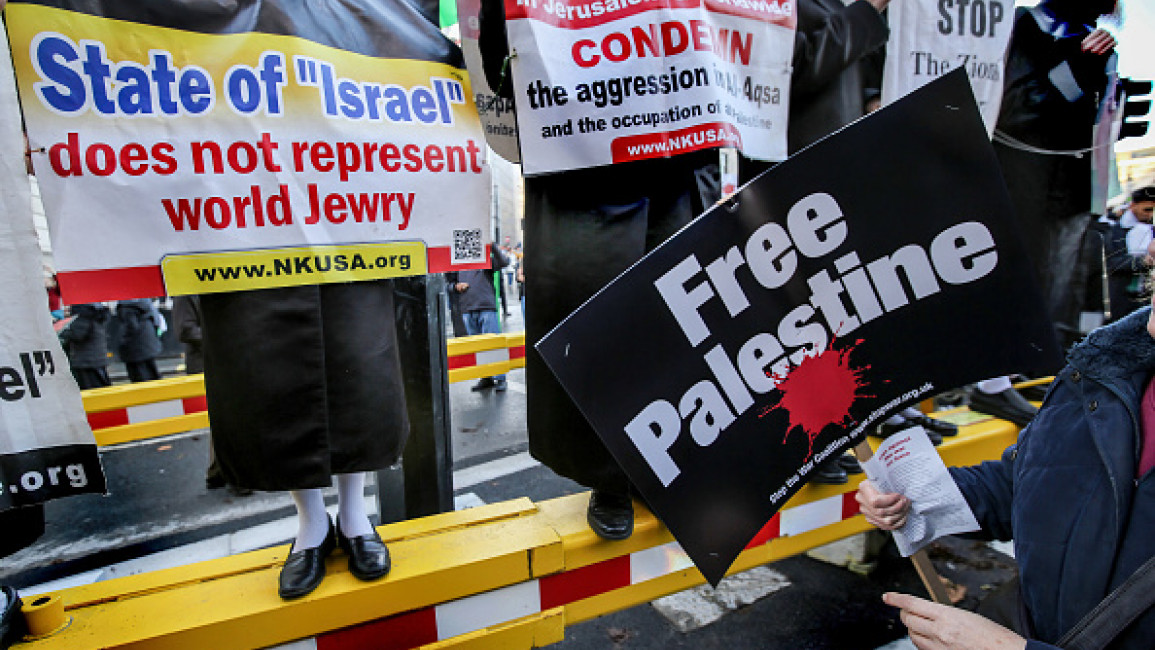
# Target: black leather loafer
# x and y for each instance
(368, 555)
(849, 464)
(829, 472)
(12, 625)
(941, 427)
(887, 430)
(1008, 405)
(305, 569)
(611, 515)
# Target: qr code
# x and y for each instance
(467, 246)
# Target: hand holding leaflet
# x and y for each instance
(907, 463)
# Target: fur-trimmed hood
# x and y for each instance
(1117, 350)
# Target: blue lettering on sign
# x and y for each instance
(76, 78)
(251, 89)
(376, 102)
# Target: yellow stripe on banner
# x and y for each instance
(290, 267)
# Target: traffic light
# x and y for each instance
(1135, 108)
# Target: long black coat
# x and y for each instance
(582, 229)
(835, 47)
(303, 383)
(1052, 192)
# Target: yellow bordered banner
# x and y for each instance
(291, 267)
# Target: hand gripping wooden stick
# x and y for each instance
(926, 571)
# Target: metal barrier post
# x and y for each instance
(424, 483)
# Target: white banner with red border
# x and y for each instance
(154, 143)
(599, 82)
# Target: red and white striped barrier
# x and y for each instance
(142, 413)
(472, 359)
(492, 608)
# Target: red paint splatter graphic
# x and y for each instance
(819, 392)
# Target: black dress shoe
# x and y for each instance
(849, 464)
(941, 427)
(611, 515)
(829, 473)
(887, 430)
(12, 624)
(1034, 393)
(483, 383)
(368, 555)
(1007, 404)
(305, 569)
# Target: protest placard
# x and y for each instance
(497, 113)
(599, 82)
(161, 133)
(929, 38)
(46, 446)
(870, 271)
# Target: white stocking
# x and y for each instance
(312, 520)
(351, 505)
(994, 385)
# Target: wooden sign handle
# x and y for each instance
(922, 565)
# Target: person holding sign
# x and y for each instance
(1077, 495)
(833, 45)
(1056, 75)
(583, 228)
(1057, 70)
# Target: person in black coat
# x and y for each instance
(139, 343)
(86, 342)
(582, 229)
(834, 48)
(1056, 77)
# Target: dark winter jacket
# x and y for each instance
(138, 340)
(481, 295)
(827, 86)
(1067, 493)
(86, 337)
(186, 317)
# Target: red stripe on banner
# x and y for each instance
(441, 260)
(569, 18)
(461, 361)
(849, 504)
(401, 632)
(768, 11)
(569, 587)
(106, 419)
(196, 404)
(770, 531)
(665, 144)
(517, 352)
(110, 284)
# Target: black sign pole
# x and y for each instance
(423, 484)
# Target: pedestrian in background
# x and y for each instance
(139, 341)
(85, 340)
(477, 298)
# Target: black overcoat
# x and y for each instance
(303, 383)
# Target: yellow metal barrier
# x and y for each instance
(509, 575)
(151, 409)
